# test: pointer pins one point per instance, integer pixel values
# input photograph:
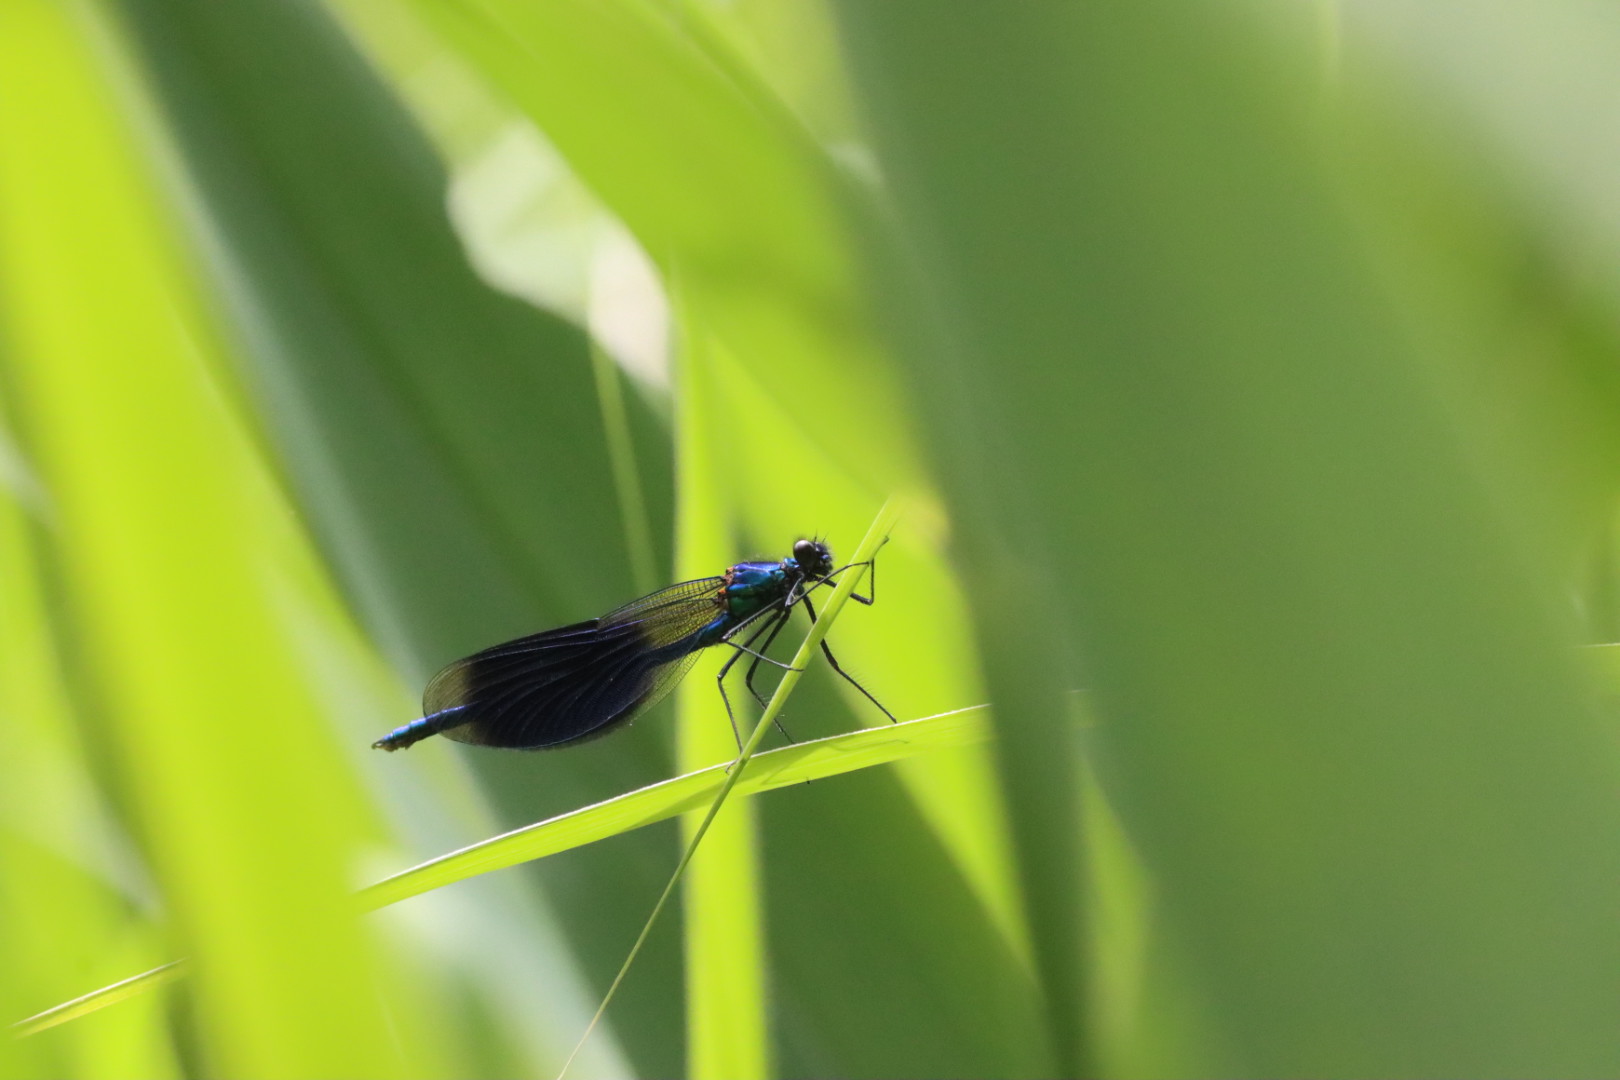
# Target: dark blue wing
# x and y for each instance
(575, 682)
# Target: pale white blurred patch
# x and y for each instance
(1540, 84)
(533, 230)
(18, 481)
(530, 227)
(628, 313)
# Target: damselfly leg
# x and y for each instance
(846, 676)
(772, 623)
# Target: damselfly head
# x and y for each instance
(813, 558)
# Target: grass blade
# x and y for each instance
(774, 769)
(875, 538)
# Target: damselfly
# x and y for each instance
(576, 682)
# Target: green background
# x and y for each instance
(1245, 380)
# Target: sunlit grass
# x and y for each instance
(801, 763)
(1229, 371)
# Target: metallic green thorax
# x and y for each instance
(749, 588)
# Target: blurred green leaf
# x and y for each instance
(75, 907)
(721, 903)
(787, 767)
(1188, 454)
(414, 405)
(1266, 365)
(436, 434)
(748, 208)
(178, 624)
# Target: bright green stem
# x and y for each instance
(876, 537)
(788, 766)
(99, 999)
(626, 477)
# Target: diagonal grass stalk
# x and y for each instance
(876, 536)
(784, 767)
(626, 476)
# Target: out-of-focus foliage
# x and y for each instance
(1247, 375)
